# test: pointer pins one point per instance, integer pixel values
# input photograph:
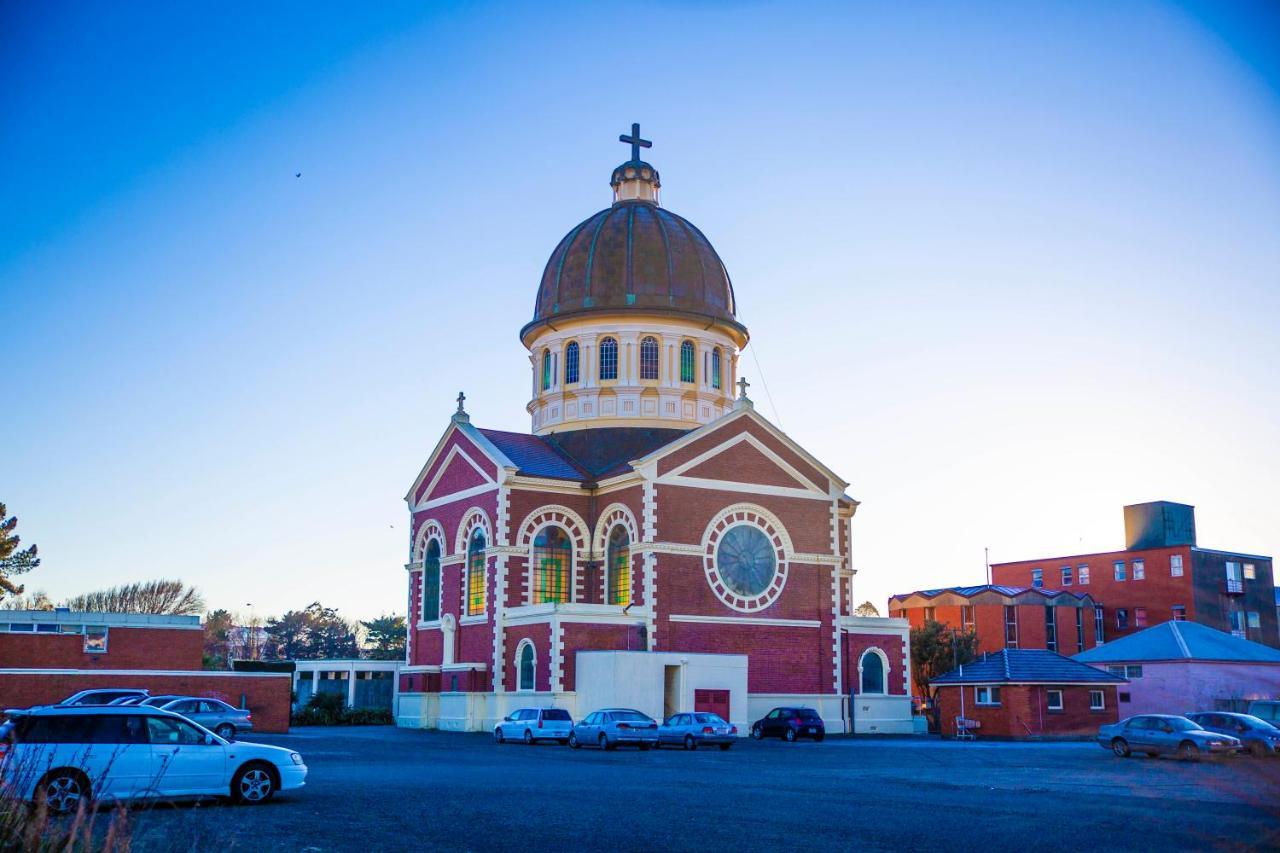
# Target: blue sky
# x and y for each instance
(1007, 267)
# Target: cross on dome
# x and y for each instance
(635, 141)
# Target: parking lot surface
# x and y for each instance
(392, 789)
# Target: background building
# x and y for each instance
(1162, 575)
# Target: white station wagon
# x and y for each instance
(73, 755)
(530, 725)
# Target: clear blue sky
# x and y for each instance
(1007, 266)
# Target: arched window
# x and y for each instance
(571, 363)
(525, 679)
(715, 368)
(686, 361)
(619, 565)
(552, 559)
(649, 358)
(546, 369)
(431, 582)
(476, 574)
(609, 359)
(872, 666)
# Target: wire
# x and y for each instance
(764, 382)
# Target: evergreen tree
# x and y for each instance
(385, 638)
(937, 649)
(217, 639)
(12, 561)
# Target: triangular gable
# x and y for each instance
(470, 449)
(744, 459)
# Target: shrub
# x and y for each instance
(329, 709)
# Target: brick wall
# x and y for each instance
(579, 636)
(989, 622)
(127, 648)
(1023, 711)
(540, 636)
(897, 677)
(267, 695)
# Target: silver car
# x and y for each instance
(610, 727)
(697, 729)
(214, 714)
(1164, 734)
(530, 725)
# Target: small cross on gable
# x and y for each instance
(743, 384)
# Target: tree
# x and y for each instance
(385, 638)
(217, 639)
(937, 649)
(38, 600)
(866, 608)
(159, 597)
(12, 561)
(314, 632)
(291, 635)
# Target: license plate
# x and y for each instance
(811, 730)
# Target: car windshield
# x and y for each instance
(1253, 722)
(712, 719)
(629, 717)
(1180, 725)
(556, 714)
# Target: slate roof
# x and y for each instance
(1026, 666)
(583, 455)
(1180, 641)
(997, 589)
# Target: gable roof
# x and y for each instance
(996, 593)
(1026, 666)
(1180, 641)
(581, 455)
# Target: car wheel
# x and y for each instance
(689, 743)
(1257, 750)
(573, 740)
(1120, 748)
(604, 742)
(498, 736)
(1188, 751)
(528, 738)
(725, 746)
(819, 736)
(789, 735)
(252, 784)
(226, 731)
(756, 732)
(64, 790)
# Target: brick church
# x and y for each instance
(653, 542)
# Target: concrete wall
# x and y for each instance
(1181, 687)
(636, 680)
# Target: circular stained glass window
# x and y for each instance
(746, 560)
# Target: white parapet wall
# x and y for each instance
(639, 680)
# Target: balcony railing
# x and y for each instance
(1234, 586)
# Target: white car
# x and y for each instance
(530, 725)
(72, 755)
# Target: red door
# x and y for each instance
(712, 702)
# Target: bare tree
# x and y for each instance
(161, 597)
(866, 608)
(38, 600)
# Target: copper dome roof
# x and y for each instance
(635, 255)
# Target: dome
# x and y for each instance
(635, 255)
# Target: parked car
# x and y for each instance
(1164, 734)
(789, 724)
(1257, 736)
(157, 701)
(531, 725)
(103, 696)
(73, 755)
(697, 729)
(215, 715)
(609, 728)
(1267, 710)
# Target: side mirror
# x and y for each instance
(210, 740)
(507, 718)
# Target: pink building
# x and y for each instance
(1182, 667)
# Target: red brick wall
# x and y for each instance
(540, 636)
(1023, 713)
(127, 648)
(853, 647)
(783, 660)
(989, 622)
(756, 472)
(583, 637)
(267, 696)
(459, 474)
(1158, 592)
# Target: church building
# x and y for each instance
(653, 542)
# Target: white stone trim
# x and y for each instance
(751, 515)
(806, 487)
(745, 620)
(649, 502)
(555, 515)
(474, 517)
(613, 515)
(837, 665)
(884, 661)
(454, 497)
(502, 525)
(557, 655)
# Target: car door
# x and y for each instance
(773, 722)
(1137, 733)
(118, 750)
(181, 761)
(586, 729)
(671, 731)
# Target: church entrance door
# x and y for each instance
(670, 691)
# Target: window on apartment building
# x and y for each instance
(1179, 613)
(1139, 569)
(1037, 577)
(1122, 618)
(1079, 629)
(1237, 622)
(1175, 565)
(1235, 581)
(1066, 576)
(95, 638)
(1053, 700)
(966, 617)
(1010, 626)
(1255, 619)
(1083, 572)
(930, 614)
(1116, 669)
(1097, 700)
(1097, 625)
(1139, 617)
(986, 695)
(1132, 671)
(1050, 628)
(1119, 567)
(1250, 572)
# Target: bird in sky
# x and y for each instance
(297, 174)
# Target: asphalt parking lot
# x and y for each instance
(391, 789)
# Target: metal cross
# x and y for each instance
(635, 141)
(461, 398)
(742, 388)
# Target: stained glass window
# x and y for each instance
(872, 673)
(649, 358)
(431, 582)
(715, 368)
(746, 560)
(619, 556)
(546, 369)
(552, 556)
(686, 361)
(608, 359)
(571, 363)
(476, 574)
(526, 667)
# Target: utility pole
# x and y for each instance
(986, 558)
